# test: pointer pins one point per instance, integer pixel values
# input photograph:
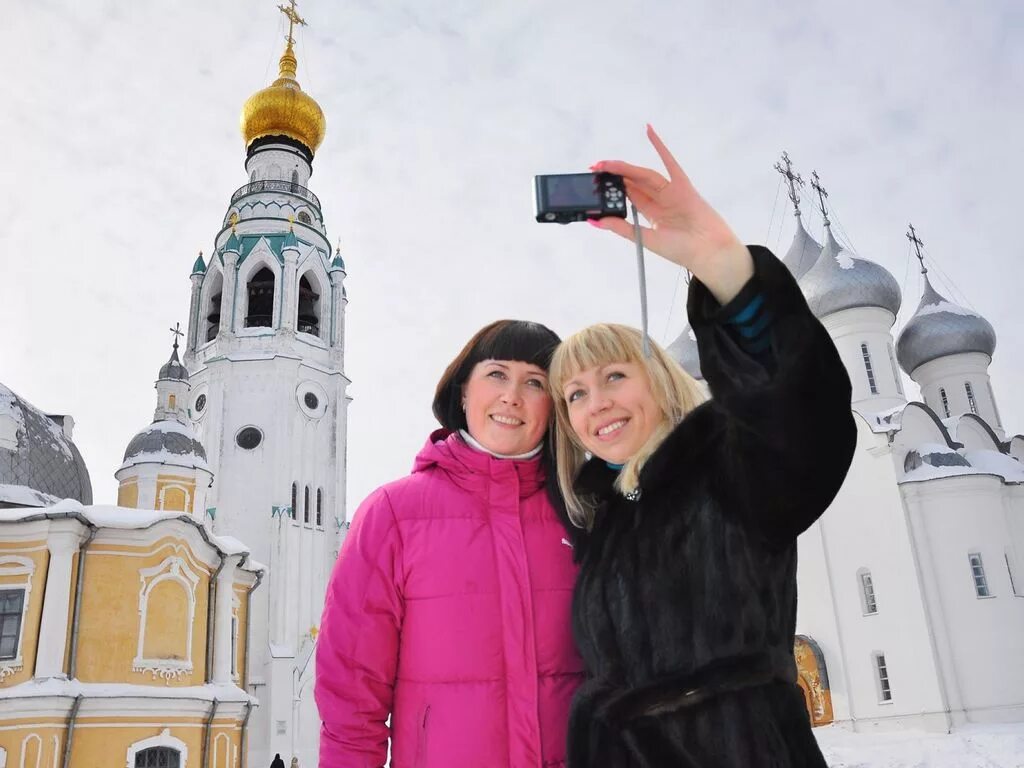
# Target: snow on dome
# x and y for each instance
(839, 280)
(36, 457)
(802, 253)
(684, 351)
(166, 442)
(939, 328)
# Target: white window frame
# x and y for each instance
(883, 685)
(978, 577)
(171, 569)
(945, 401)
(12, 565)
(868, 368)
(971, 402)
(868, 598)
(163, 739)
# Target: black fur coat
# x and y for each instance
(685, 607)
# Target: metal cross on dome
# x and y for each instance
(293, 18)
(176, 330)
(918, 242)
(822, 194)
(793, 179)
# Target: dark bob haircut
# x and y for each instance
(517, 340)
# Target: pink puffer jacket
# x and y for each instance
(449, 609)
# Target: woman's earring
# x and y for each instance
(463, 406)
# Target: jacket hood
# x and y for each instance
(474, 470)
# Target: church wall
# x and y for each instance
(865, 529)
(1013, 505)
(114, 613)
(175, 493)
(959, 516)
(17, 557)
(950, 374)
(128, 494)
(36, 744)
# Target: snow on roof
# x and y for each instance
(972, 463)
(24, 496)
(944, 306)
(883, 421)
(53, 686)
(126, 518)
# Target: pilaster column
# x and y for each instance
(193, 313)
(227, 299)
(222, 621)
(62, 541)
(290, 286)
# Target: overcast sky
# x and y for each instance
(119, 123)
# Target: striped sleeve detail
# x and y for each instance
(750, 328)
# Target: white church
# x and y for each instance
(911, 586)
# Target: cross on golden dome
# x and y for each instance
(293, 19)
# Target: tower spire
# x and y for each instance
(792, 179)
(176, 330)
(822, 195)
(912, 237)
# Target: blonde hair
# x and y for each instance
(673, 389)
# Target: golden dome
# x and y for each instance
(284, 109)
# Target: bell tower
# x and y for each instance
(268, 398)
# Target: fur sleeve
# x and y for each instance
(789, 433)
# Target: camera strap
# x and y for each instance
(642, 274)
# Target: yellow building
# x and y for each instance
(123, 629)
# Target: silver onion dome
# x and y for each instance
(839, 280)
(39, 464)
(802, 253)
(166, 442)
(940, 328)
(684, 351)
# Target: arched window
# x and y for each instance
(305, 506)
(158, 757)
(945, 401)
(868, 602)
(970, 397)
(319, 508)
(867, 367)
(260, 309)
(252, 176)
(895, 370)
(309, 308)
(213, 304)
(295, 501)
(304, 218)
(295, 180)
(882, 670)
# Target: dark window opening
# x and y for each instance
(200, 403)
(309, 308)
(12, 605)
(319, 508)
(249, 438)
(304, 218)
(213, 309)
(295, 501)
(158, 757)
(305, 506)
(295, 180)
(260, 312)
(311, 400)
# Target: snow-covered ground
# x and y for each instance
(975, 746)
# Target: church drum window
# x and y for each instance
(869, 604)
(305, 506)
(12, 605)
(248, 438)
(295, 500)
(319, 508)
(158, 757)
(895, 370)
(867, 367)
(304, 218)
(309, 308)
(970, 397)
(260, 312)
(978, 574)
(295, 181)
(945, 401)
(884, 689)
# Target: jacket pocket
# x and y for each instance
(421, 739)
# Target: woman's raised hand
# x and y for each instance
(683, 228)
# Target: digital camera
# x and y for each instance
(561, 198)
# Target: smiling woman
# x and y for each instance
(462, 567)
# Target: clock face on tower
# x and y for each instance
(200, 403)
